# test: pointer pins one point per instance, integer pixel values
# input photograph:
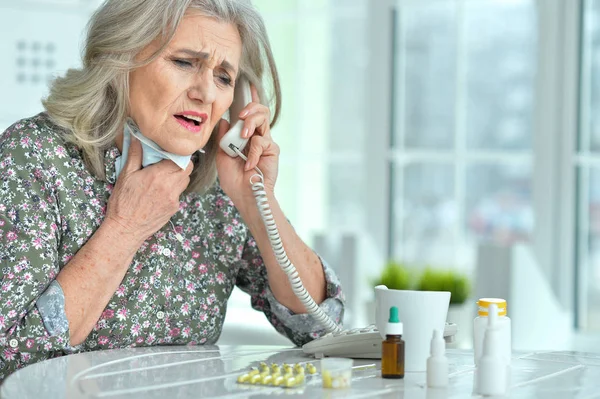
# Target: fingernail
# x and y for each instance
(247, 166)
(243, 113)
(245, 133)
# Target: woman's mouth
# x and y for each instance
(192, 121)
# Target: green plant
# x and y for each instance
(446, 280)
(395, 276)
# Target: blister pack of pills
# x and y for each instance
(276, 375)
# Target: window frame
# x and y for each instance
(556, 124)
(555, 183)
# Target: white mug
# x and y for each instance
(420, 312)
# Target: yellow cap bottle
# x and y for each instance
(503, 324)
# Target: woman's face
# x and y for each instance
(178, 98)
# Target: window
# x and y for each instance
(587, 164)
(461, 164)
(321, 50)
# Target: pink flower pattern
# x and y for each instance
(50, 205)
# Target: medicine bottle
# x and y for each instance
(392, 348)
(503, 325)
(437, 363)
(492, 370)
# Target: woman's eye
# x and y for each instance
(225, 80)
(182, 63)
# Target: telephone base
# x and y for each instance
(358, 343)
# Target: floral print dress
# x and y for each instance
(174, 293)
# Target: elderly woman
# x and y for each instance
(100, 249)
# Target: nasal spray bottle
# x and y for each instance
(492, 367)
(503, 324)
(437, 363)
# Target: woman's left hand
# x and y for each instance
(261, 150)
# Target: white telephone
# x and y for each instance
(357, 343)
(233, 144)
(242, 96)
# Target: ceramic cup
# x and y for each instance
(420, 312)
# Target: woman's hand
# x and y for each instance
(144, 200)
(261, 150)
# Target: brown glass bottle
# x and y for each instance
(392, 357)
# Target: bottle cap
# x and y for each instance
(491, 338)
(438, 345)
(484, 304)
(492, 316)
(394, 326)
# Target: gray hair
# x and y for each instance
(92, 103)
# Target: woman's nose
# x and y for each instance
(203, 89)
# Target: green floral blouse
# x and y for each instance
(174, 293)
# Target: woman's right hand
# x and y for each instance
(144, 199)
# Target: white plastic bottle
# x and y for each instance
(503, 326)
(437, 363)
(492, 370)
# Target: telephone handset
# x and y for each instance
(233, 144)
(241, 97)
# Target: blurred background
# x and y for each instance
(426, 144)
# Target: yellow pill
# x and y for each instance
(243, 378)
(290, 382)
(327, 381)
(255, 379)
(300, 378)
(266, 380)
(311, 368)
(298, 368)
(277, 381)
(264, 374)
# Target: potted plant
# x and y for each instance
(395, 276)
(461, 310)
(446, 280)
